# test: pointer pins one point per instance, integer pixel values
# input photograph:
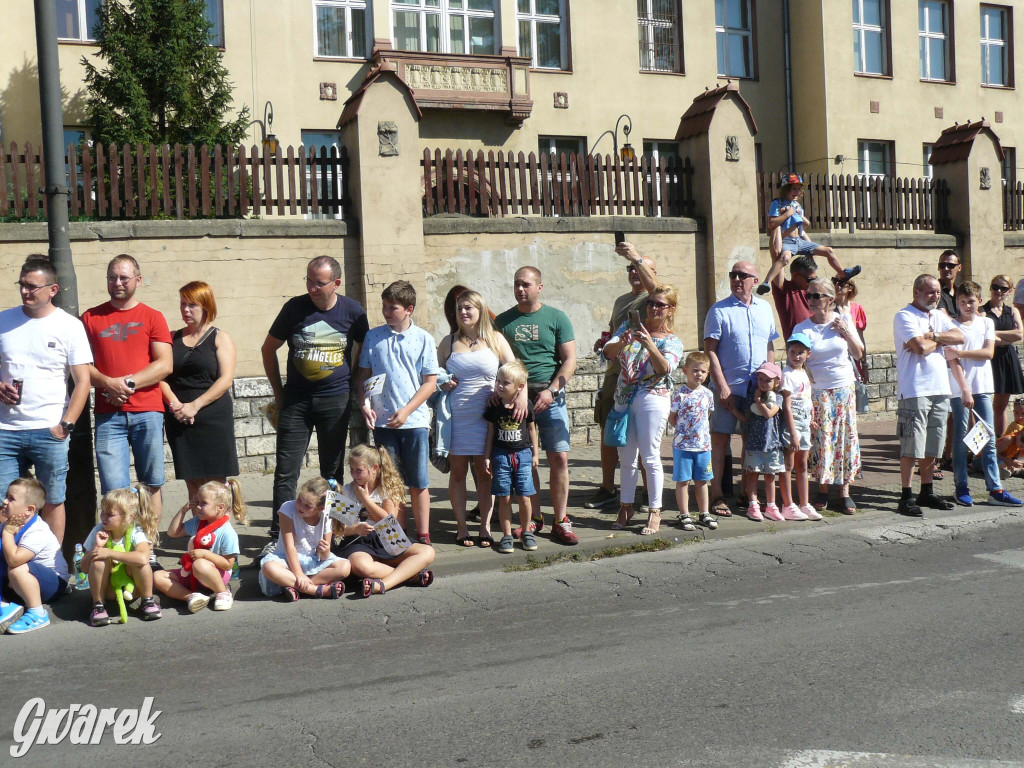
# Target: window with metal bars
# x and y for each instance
(659, 26)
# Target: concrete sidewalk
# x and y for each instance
(876, 494)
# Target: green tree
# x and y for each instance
(163, 82)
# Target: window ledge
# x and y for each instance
(749, 78)
(997, 87)
(550, 71)
(662, 72)
(73, 41)
(343, 59)
(938, 82)
(872, 76)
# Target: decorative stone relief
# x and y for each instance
(939, 111)
(732, 149)
(387, 136)
(440, 77)
(328, 91)
(986, 179)
(561, 100)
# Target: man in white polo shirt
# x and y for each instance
(920, 331)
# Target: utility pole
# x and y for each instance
(80, 507)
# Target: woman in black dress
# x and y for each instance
(199, 419)
(1005, 364)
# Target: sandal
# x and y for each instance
(423, 579)
(653, 522)
(289, 595)
(846, 505)
(484, 542)
(620, 524)
(331, 591)
(720, 507)
(938, 474)
(423, 538)
(686, 522)
(708, 521)
(464, 541)
(370, 587)
(821, 501)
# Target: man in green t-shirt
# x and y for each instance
(542, 337)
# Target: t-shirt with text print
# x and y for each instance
(535, 338)
(510, 435)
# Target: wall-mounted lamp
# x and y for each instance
(269, 140)
(627, 152)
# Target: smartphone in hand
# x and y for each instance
(634, 320)
(620, 236)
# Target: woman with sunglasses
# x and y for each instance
(1005, 363)
(834, 458)
(647, 355)
(846, 292)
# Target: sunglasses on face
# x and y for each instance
(816, 296)
(948, 265)
(659, 305)
(740, 276)
(999, 288)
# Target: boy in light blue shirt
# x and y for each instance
(398, 414)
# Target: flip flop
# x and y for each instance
(464, 541)
(720, 508)
(484, 542)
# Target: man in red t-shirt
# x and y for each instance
(791, 295)
(131, 346)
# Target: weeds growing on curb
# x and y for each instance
(654, 545)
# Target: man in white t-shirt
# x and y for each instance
(40, 344)
(920, 331)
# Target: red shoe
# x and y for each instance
(562, 533)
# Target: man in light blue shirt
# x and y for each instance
(398, 414)
(738, 335)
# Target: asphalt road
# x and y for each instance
(880, 644)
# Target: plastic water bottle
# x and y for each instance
(81, 578)
(234, 570)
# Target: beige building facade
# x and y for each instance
(869, 82)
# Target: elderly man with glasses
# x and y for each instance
(738, 335)
(324, 332)
(40, 344)
(132, 347)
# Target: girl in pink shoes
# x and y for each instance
(796, 428)
(377, 486)
(302, 563)
(764, 441)
(212, 550)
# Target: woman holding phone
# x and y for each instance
(648, 353)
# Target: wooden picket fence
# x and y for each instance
(868, 203)
(1013, 206)
(149, 182)
(510, 184)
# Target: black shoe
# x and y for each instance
(909, 508)
(933, 502)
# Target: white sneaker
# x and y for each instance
(792, 512)
(197, 601)
(222, 601)
(811, 513)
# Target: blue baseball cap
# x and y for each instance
(800, 338)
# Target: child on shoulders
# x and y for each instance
(398, 416)
(117, 554)
(210, 557)
(689, 415)
(32, 561)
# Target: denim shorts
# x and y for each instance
(311, 565)
(410, 450)
(691, 465)
(512, 473)
(19, 448)
(553, 426)
(50, 584)
(798, 246)
(144, 434)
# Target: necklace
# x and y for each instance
(468, 342)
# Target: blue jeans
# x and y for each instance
(19, 448)
(143, 433)
(989, 459)
(411, 451)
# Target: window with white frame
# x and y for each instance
(76, 19)
(926, 156)
(874, 158)
(543, 33)
(445, 26)
(734, 33)
(215, 15)
(556, 145)
(660, 31)
(995, 46)
(326, 186)
(340, 28)
(870, 46)
(934, 34)
(655, 151)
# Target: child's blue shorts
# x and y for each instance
(512, 473)
(691, 465)
(410, 449)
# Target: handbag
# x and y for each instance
(616, 426)
(862, 397)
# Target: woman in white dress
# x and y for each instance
(471, 355)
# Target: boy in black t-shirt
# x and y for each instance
(511, 454)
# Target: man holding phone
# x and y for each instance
(641, 273)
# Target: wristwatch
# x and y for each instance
(554, 391)
(68, 426)
(638, 260)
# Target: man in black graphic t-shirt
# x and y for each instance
(324, 332)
